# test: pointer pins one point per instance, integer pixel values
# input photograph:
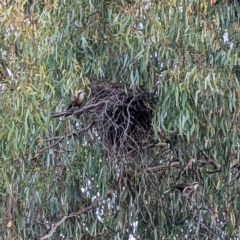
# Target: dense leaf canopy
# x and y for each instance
(162, 109)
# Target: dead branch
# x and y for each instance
(74, 214)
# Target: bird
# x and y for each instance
(77, 101)
(185, 188)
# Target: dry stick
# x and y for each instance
(74, 214)
(46, 148)
(159, 144)
(128, 116)
(78, 111)
(71, 134)
(61, 139)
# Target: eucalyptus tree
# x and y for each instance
(153, 151)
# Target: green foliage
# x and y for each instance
(184, 52)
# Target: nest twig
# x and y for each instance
(123, 119)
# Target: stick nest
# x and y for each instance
(122, 118)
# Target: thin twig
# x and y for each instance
(60, 139)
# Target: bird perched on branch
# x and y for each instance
(77, 101)
(185, 188)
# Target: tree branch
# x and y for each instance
(74, 214)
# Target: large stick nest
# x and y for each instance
(122, 118)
